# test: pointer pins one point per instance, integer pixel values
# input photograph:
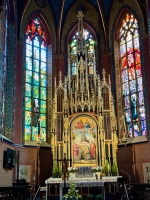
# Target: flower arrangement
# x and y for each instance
(97, 169)
(72, 193)
(72, 169)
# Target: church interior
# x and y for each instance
(74, 89)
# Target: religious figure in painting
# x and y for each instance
(92, 149)
(35, 113)
(84, 140)
(134, 107)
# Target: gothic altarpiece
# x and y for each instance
(83, 120)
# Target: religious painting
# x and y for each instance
(146, 172)
(84, 140)
(25, 173)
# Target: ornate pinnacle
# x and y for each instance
(103, 74)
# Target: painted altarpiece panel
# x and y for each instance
(84, 140)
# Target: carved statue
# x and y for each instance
(66, 123)
(81, 64)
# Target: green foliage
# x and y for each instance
(106, 167)
(99, 197)
(90, 197)
(55, 168)
(72, 193)
(114, 167)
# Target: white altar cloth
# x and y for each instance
(81, 182)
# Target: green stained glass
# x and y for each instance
(43, 80)
(35, 78)
(27, 132)
(35, 131)
(36, 53)
(29, 76)
(43, 93)
(28, 63)
(43, 55)
(36, 65)
(43, 120)
(43, 67)
(43, 133)
(27, 90)
(35, 92)
(43, 106)
(28, 117)
(27, 103)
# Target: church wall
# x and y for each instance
(6, 175)
(131, 160)
(18, 96)
(27, 158)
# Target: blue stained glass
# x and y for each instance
(140, 84)
(43, 67)
(43, 80)
(128, 116)
(127, 102)
(36, 65)
(36, 42)
(28, 76)
(141, 98)
(125, 75)
(132, 86)
(122, 50)
(43, 55)
(43, 93)
(125, 88)
(28, 90)
(36, 53)
(136, 129)
(28, 63)
(35, 78)
(143, 127)
(142, 113)
(28, 50)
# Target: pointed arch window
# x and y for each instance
(90, 47)
(132, 83)
(35, 102)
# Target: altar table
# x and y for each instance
(80, 182)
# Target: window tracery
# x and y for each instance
(131, 72)
(35, 81)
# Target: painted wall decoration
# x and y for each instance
(84, 140)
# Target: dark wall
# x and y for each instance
(46, 164)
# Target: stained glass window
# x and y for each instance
(90, 49)
(35, 82)
(131, 72)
